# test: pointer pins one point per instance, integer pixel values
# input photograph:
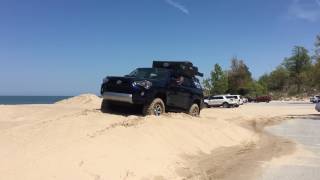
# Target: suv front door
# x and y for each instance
(218, 100)
(211, 101)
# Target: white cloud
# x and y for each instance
(178, 6)
(305, 10)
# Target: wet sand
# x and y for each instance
(304, 163)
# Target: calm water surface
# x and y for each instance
(13, 100)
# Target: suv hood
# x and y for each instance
(129, 79)
(126, 82)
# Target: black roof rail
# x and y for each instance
(183, 67)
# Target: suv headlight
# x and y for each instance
(105, 80)
(146, 84)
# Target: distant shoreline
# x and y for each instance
(18, 100)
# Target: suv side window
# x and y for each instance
(196, 83)
(187, 82)
(230, 97)
(217, 97)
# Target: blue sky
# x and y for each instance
(66, 47)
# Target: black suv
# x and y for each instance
(167, 86)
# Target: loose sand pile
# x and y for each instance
(90, 100)
(72, 139)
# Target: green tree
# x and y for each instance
(316, 56)
(314, 74)
(239, 77)
(278, 79)
(298, 65)
(264, 81)
(218, 81)
(256, 89)
(207, 87)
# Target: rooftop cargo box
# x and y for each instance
(183, 67)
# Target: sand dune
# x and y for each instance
(72, 139)
(90, 100)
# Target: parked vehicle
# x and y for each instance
(266, 99)
(318, 107)
(258, 99)
(220, 100)
(245, 100)
(251, 99)
(237, 98)
(315, 99)
(166, 86)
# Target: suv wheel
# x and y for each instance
(105, 106)
(156, 107)
(225, 105)
(194, 110)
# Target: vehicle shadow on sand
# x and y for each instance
(124, 111)
(300, 103)
(306, 116)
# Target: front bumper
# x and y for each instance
(119, 97)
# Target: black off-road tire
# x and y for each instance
(156, 107)
(207, 105)
(225, 105)
(105, 106)
(194, 110)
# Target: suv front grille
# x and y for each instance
(112, 86)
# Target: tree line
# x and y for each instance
(297, 75)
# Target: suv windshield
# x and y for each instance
(234, 97)
(150, 73)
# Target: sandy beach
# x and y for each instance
(72, 139)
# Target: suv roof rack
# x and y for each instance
(183, 67)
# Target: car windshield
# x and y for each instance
(150, 73)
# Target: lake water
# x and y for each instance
(13, 100)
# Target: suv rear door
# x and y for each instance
(220, 100)
(180, 95)
(235, 98)
(187, 87)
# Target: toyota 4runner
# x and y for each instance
(167, 86)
